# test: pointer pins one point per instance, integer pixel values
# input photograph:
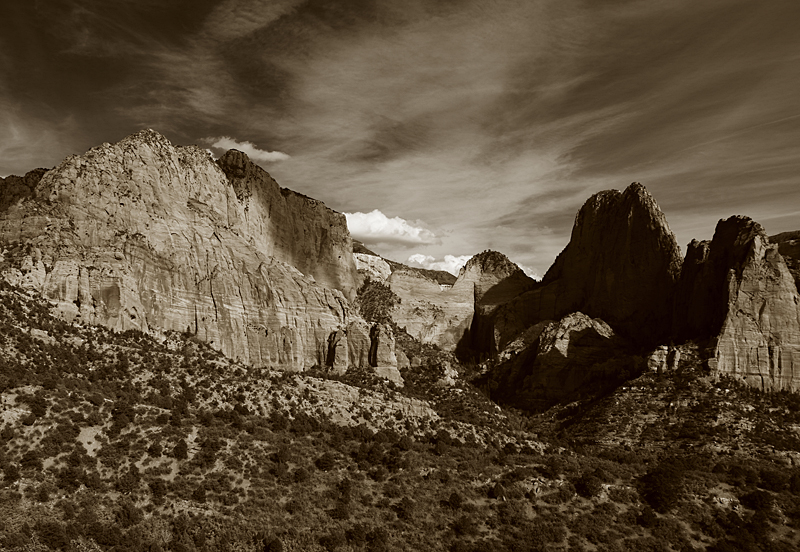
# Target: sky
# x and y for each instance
(441, 128)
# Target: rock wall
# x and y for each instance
(737, 292)
(444, 315)
(289, 226)
(621, 265)
(144, 235)
(789, 248)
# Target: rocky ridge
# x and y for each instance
(145, 235)
(737, 291)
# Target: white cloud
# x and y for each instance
(451, 263)
(375, 227)
(257, 155)
(530, 272)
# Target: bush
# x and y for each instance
(663, 487)
(326, 462)
(588, 485)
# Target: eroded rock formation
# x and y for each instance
(145, 235)
(737, 292)
(560, 361)
(436, 313)
(621, 265)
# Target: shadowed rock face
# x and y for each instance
(560, 361)
(737, 291)
(621, 265)
(142, 234)
(294, 228)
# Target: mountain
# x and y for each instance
(621, 265)
(145, 235)
(438, 308)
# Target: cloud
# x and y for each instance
(451, 263)
(375, 227)
(257, 155)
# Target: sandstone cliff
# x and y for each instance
(789, 248)
(737, 292)
(14, 189)
(621, 265)
(142, 234)
(436, 313)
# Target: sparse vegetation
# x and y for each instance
(116, 441)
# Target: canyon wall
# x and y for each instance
(145, 235)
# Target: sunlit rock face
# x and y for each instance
(789, 248)
(621, 265)
(444, 315)
(145, 235)
(738, 292)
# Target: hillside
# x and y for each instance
(115, 441)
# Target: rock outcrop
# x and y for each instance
(14, 189)
(789, 248)
(436, 313)
(621, 265)
(561, 361)
(145, 235)
(372, 266)
(737, 292)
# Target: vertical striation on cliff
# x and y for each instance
(145, 235)
(737, 292)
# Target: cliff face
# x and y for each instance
(142, 234)
(289, 226)
(738, 292)
(435, 313)
(789, 248)
(621, 265)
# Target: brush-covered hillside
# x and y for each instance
(116, 441)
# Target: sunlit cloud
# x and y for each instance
(254, 153)
(376, 228)
(450, 263)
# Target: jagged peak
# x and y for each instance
(147, 136)
(636, 193)
(491, 261)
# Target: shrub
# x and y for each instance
(663, 487)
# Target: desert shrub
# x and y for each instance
(181, 450)
(663, 487)
(326, 462)
(588, 485)
(774, 479)
(758, 500)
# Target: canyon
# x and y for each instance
(143, 235)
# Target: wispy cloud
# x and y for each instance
(376, 228)
(490, 121)
(254, 153)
